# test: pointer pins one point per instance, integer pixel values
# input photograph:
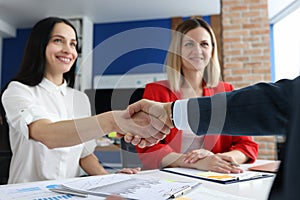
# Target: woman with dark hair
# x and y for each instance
(50, 127)
(33, 65)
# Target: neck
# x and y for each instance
(57, 80)
(193, 79)
(192, 84)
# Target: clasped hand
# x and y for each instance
(144, 123)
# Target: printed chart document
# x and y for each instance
(128, 186)
(36, 191)
(217, 177)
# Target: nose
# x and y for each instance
(198, 48)
(66, 48)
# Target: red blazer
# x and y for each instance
(151, 157)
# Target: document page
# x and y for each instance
(129, 186)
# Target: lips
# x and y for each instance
(196, 58)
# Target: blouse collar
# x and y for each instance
(51, 87)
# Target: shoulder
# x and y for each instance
(16, 87)
(158, 84)
(158, 87)
(17, 84)
(160, 91)
(225, 86)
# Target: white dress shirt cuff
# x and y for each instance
(180, 115)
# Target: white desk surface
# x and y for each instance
(254, 189)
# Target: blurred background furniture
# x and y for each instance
(103, 100)
(5, 152)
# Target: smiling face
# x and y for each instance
(60, 52)
(196, 49)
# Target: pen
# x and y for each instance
(181, 192)
(64, 191)
(234, 164)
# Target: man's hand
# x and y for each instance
(144, 129)
(161, 111)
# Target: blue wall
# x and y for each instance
(131, 47)
(12, 53)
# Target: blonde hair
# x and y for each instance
(174, 63)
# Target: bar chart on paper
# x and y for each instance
(67, 196)
(33, 192)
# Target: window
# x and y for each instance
(286, 42)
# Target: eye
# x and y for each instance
(189, 44)
(57, 40)
(73, 44)
(204, 44)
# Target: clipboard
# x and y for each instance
(217, 177)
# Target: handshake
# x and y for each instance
(144, 123)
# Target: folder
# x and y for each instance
(217, 177)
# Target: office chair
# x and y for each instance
(5, 152)
(103, 100)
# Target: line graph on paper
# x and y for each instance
(128, 186)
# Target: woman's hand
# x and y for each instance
(130, 170)
(218, 163)
(114, 197)
(195, 155)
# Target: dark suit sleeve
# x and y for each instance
(261, 109)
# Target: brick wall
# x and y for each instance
(246, 51)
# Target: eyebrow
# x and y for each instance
(60, 36)
(191, 40)
(188, 39)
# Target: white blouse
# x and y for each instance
(32, 160)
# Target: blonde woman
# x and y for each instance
(193, 71)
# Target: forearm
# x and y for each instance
(91, 165)
(262, 109)
(71, 132)
(174, 160)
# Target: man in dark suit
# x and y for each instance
(260, 109)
